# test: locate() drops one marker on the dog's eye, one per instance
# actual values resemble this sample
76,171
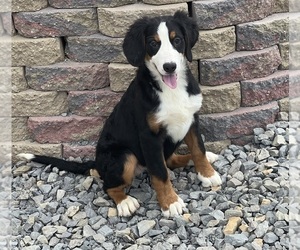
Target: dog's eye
154,44
177,41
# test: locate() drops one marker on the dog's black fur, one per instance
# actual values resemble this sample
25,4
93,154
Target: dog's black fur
129,130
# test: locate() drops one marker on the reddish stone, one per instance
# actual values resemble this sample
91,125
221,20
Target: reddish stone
93,103
57,129
68,76
211,14
239,123
239,66
263,90
56,22
87,151
264,33
95,48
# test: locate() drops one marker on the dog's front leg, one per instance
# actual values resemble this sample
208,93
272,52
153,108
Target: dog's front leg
171,204
202,159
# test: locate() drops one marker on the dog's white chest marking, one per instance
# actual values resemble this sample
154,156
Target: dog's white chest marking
176,111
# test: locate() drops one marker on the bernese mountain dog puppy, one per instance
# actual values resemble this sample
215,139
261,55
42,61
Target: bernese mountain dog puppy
155,115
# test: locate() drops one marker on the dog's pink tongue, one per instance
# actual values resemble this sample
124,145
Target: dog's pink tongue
170,80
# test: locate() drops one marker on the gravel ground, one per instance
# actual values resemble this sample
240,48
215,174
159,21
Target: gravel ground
54,209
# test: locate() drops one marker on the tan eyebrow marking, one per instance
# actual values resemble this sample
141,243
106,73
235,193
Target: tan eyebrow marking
156,38
172,34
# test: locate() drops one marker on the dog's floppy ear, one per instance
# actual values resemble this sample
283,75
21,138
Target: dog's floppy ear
190,30
134,46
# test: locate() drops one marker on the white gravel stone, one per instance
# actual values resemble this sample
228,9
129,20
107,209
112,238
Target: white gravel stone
145,226
72,210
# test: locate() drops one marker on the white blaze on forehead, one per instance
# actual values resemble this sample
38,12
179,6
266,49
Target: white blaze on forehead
166,50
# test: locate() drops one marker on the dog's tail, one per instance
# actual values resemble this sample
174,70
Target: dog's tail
70,166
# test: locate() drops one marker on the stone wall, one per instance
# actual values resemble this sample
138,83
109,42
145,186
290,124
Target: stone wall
69,69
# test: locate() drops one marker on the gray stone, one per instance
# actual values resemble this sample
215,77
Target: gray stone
168,223
145,226
258,131
75,243
79,216
173,240
239,176
248,165
182,233
52,177
270,237
261,229
235,166
271,185
45,188
52,206
101,202
99,238
155,232
195,195
233,213
218,215
48,231
236,240
205,219
105,231
88,231
234,182
279,140
95,48
262,154
60,193
87,182
195,218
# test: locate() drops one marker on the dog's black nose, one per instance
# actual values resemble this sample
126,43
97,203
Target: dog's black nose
169,67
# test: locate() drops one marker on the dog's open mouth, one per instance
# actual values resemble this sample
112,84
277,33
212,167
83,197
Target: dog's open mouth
170,80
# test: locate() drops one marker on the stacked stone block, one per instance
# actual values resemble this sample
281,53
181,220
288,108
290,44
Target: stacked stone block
69,70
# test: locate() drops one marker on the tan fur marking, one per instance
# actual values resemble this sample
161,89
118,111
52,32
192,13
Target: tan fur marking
178,161
147,57
165,192
156,38
129,168
202,165
117,193
153,124
172,34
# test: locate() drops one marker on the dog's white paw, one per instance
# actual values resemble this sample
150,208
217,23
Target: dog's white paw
211,157
28,157
175,208
127,206
213,181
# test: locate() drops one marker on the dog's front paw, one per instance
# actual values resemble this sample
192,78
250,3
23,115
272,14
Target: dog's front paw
212,181
127,206
175,208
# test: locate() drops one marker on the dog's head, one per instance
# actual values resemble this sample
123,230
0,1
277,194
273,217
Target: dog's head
162,43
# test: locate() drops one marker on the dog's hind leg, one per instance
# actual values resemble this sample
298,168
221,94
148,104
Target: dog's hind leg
178,161
126,205
206,173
